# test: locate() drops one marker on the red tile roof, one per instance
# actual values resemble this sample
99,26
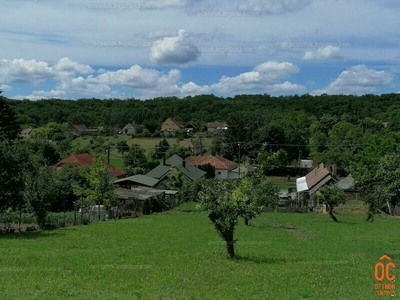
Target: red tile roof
86,159
218,162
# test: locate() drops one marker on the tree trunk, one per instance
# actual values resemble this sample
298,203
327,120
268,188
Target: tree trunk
246,222
230,248
332,215
230,244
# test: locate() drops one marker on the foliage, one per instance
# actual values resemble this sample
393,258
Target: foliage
332,196
9,125
100,189
135,160
189,191
40,191
122,147
176,180
209,169
257,192
11,176
269,161
180,151
228,200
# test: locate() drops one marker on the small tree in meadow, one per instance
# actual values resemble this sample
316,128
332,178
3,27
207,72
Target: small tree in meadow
332,196
224,209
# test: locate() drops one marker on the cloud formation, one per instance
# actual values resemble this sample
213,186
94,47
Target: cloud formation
323,53
357,80
178,50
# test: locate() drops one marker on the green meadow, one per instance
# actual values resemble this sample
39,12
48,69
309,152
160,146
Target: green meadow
179,255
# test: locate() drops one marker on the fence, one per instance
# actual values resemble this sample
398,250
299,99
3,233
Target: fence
14,221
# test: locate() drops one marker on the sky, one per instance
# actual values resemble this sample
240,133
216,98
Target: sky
71,49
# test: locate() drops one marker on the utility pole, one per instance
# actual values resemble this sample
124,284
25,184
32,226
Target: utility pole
201,146
239,159
108,154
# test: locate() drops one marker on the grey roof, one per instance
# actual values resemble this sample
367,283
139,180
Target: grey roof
176,163
141,179
140,194
346,183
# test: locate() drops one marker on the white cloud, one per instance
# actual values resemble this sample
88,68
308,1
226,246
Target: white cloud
192,89
357,80
21,70
32,71
5,87
264,77
274,6
328,52
67,67
178,50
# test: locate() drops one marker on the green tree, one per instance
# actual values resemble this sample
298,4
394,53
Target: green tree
11,176
332,196
122,147
9,126
100,190
257,192
40,191
135,160
225,204
209,169
269,161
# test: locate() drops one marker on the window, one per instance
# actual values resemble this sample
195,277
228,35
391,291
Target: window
219,173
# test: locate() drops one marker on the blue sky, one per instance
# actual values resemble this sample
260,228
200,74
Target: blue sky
72,49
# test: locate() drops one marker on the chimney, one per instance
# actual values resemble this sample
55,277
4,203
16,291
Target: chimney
163,159
184,163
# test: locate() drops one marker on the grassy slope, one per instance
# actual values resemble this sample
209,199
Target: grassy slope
180,256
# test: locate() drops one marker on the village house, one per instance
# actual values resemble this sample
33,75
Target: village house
86,159
80,130
216,127
224,168
130,128
170,127
308,185
196,147
26,132
173,165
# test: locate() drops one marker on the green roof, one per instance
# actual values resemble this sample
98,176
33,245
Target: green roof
141,179
176,163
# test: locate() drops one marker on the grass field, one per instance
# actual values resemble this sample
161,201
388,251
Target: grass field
146,143
178,255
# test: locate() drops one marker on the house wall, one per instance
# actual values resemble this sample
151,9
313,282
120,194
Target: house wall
169,125
225,174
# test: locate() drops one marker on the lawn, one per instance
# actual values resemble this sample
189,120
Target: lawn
145,143
178,255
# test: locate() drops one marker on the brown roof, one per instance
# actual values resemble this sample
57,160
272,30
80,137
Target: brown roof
316,175
190,144
86,159
216,124
80,128
177,123
218,162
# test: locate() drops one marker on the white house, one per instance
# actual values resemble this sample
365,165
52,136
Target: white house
224,168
